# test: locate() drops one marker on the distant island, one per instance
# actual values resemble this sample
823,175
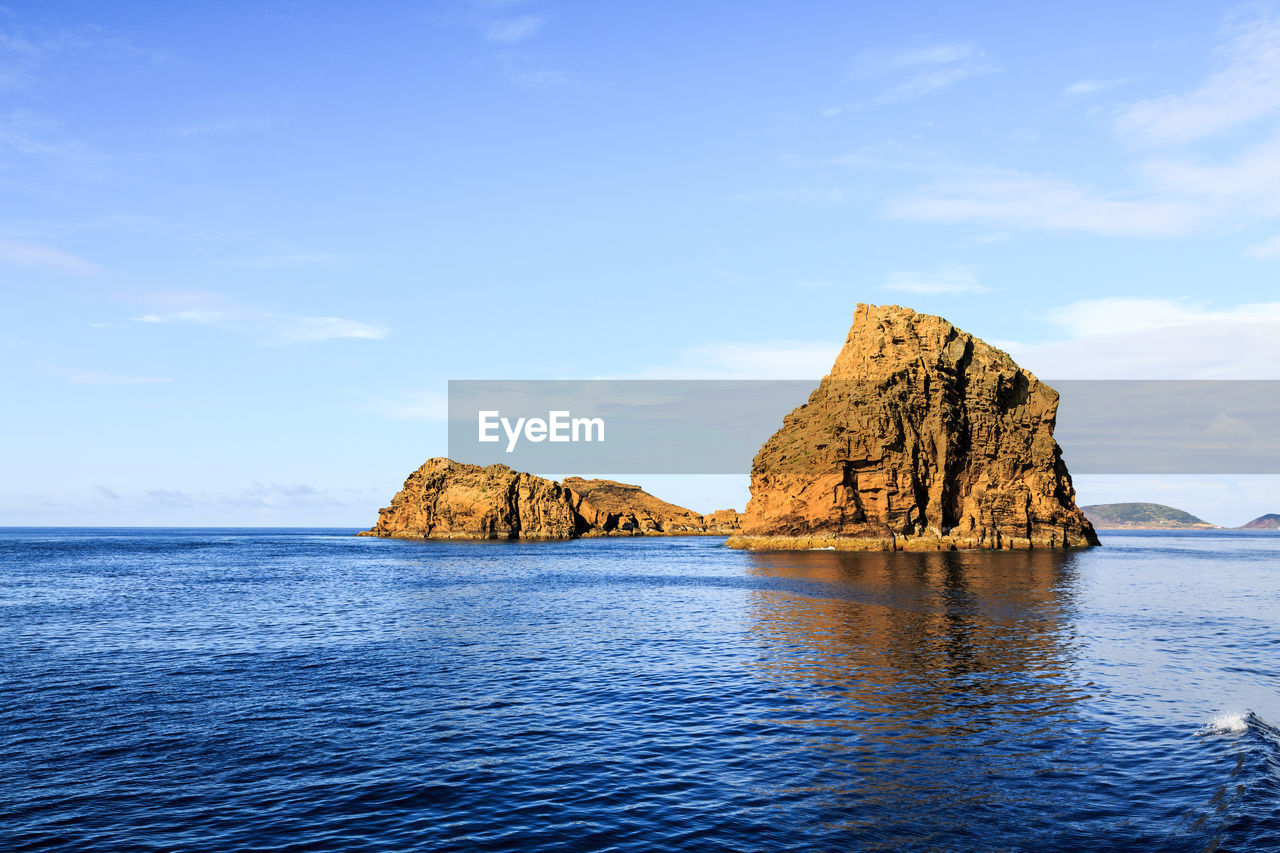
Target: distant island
1144,516
444,499
1270,521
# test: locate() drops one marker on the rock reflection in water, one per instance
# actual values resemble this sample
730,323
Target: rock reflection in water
928,684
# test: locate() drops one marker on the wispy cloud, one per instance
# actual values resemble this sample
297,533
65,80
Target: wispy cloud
817,195
270,328
1119,316
1157,339
1166,193
1249,181
530,74
15,253
217,127
913,72
98,377
1011,199
1244,87
1266,249
1082,88
775,359
417,406
512,30
282,261
27,132
495,22
948,279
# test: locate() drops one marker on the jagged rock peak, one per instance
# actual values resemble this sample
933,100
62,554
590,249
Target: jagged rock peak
921,436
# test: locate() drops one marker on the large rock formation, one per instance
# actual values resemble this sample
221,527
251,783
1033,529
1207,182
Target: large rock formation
1270,521
921,437
451,500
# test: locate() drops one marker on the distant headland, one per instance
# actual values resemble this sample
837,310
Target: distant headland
1143,516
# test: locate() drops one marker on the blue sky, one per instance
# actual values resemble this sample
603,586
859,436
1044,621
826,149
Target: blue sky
244,246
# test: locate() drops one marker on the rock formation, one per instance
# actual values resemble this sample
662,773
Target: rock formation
444,499
723,521
1270,521
608,508
922,437
451,500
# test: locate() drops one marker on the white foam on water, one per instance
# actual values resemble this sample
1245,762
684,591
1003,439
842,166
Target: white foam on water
1230,723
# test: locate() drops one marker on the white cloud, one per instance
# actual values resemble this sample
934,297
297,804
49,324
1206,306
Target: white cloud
282,261
309,329
1026,201
35,255
775,359
1157,339
1244,87
795,194
269,327
944,280
1172,194
421,406
1251,178
1081,88
217,127
1224,426
530,75
1125,316
1266,249
918,70
512,30
97,377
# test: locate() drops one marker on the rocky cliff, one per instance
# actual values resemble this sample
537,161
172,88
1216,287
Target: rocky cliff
921,437
444,499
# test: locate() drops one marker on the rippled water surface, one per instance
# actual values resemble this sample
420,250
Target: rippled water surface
288,690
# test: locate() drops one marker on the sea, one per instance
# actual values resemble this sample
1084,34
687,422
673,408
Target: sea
236,689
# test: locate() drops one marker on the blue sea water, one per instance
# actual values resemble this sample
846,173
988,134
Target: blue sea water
308,690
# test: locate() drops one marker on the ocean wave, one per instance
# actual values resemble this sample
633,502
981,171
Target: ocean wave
1230,723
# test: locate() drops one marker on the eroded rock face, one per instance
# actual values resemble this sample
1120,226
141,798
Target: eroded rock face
609,508
724,521
444,499
921,437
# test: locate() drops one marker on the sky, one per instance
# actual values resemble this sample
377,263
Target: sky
243,247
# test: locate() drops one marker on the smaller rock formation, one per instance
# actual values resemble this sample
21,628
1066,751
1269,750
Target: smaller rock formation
608,508
723,521
1270,521
444,499
1143,516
